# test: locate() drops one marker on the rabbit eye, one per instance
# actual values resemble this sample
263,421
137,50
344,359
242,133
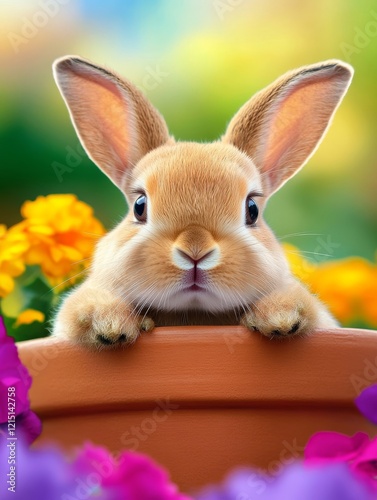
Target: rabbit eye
251,211
140,208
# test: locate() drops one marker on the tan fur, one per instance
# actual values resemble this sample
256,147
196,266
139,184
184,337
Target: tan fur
129,125
196,195
289,106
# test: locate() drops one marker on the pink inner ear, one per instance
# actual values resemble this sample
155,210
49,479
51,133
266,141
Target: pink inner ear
100,113
294,127
116,123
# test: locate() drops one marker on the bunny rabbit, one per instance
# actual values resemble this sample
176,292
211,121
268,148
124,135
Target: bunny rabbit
194,248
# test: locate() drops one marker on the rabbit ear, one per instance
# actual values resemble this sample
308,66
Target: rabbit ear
281,126
115,122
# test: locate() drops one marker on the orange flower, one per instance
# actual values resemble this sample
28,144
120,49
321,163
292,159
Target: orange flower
62,232
342,285
29,316
12,249
348,287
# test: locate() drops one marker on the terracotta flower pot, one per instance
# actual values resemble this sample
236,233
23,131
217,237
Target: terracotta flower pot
202,400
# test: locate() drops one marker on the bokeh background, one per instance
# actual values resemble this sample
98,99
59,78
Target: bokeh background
198,61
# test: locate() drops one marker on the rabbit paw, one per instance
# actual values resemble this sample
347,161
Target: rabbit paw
99,319
283,313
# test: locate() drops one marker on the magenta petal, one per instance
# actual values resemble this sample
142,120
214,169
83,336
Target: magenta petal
29,426
366,462
335,447
21,399
140,477
12,374
367,403
131,476
15,383
93,458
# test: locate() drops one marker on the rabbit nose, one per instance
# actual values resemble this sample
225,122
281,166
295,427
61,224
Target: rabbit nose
185,260
195,247
192,259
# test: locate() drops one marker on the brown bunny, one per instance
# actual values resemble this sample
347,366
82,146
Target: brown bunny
194,248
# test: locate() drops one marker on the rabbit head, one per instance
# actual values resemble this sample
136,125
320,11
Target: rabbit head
194,236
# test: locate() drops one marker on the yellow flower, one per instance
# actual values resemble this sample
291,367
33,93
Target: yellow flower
62,232
369,304
29,316
12,249
300,267
342,285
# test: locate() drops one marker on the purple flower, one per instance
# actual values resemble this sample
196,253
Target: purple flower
297,482
46,474
15,383
367,403
358,451
41,474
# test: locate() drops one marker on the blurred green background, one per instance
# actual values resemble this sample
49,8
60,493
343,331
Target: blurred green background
198,61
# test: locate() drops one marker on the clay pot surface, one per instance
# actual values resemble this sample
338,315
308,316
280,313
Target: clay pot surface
202,400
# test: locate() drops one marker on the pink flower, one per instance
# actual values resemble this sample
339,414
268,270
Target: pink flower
358,451
327,446
132,476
